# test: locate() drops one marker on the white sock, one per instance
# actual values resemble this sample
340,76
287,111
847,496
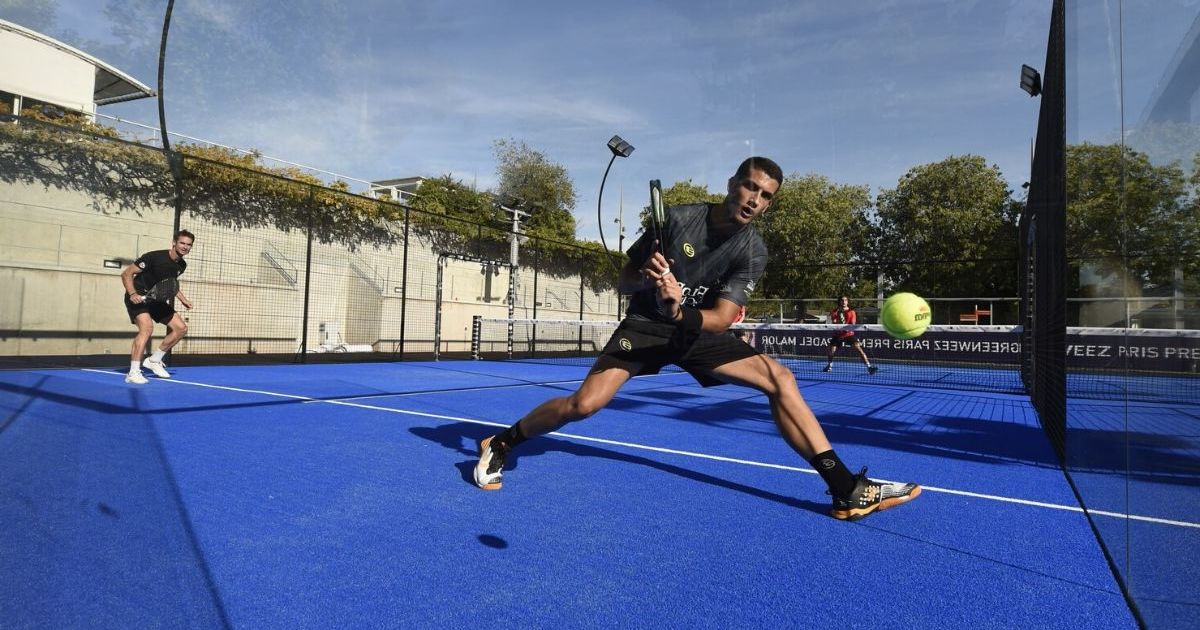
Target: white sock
158,355
135,367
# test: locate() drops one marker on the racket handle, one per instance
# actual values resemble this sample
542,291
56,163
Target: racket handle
658,217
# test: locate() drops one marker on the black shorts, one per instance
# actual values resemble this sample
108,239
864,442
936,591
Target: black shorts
652,345
843,341
161,312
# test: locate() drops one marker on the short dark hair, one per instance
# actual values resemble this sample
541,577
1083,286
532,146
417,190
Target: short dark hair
184,233
766,165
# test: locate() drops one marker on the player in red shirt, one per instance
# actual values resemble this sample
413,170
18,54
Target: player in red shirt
844,314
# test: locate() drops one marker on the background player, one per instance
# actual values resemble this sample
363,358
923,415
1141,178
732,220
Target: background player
147,272
844,314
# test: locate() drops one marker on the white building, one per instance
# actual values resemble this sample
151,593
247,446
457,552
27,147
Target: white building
37,70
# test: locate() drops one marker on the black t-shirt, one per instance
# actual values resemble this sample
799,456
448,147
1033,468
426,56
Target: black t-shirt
154,267
709,266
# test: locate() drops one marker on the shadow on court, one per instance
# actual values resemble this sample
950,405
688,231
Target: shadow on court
462,439
96,525
1160,457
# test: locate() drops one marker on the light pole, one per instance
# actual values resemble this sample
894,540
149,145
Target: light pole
619,148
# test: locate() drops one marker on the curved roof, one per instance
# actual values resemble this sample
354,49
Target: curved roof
112,85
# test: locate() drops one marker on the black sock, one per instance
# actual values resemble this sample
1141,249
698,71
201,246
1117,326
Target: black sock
834,472
510,437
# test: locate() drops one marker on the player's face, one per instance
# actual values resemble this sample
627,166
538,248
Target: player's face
183,246
750,196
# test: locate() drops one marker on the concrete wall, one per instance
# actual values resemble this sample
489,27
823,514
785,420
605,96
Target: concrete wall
247,285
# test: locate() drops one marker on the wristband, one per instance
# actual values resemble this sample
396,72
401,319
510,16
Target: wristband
691,320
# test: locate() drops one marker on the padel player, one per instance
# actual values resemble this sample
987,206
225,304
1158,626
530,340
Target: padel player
683,301
146,303
844,314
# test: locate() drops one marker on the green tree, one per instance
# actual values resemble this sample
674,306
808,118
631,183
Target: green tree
815,230
686,192
451,197
542,187
949,229
455,217
1124,212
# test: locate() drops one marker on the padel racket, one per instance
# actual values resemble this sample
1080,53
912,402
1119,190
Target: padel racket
162,291
658,217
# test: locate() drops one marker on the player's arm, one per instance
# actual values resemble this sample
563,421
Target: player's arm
127,275
714,320
720,317
734,293
183,300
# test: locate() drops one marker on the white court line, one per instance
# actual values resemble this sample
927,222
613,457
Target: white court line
658,449
486,388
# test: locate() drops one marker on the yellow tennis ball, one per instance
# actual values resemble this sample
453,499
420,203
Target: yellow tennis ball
905,315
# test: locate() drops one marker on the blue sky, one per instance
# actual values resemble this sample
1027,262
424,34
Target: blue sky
857,91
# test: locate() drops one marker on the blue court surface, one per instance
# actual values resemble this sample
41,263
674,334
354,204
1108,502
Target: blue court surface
340,496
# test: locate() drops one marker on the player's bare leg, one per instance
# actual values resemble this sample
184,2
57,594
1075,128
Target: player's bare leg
176,330
145,328
867,362
833,347
795,420
854,496
597,390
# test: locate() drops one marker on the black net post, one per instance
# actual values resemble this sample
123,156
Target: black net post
1047,207
303,358
404,284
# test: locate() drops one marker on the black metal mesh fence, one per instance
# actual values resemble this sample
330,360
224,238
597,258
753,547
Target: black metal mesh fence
282,269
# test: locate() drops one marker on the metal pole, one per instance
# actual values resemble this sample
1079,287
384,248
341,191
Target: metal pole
307,282
437,310
404,286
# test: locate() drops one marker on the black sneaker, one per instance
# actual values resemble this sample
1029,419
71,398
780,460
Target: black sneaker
491,463
828,368
870,496
871,369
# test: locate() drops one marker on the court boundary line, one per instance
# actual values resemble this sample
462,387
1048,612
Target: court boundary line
669,451
478,389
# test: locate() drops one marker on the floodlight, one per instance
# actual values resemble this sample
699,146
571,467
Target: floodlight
1031,81
619,147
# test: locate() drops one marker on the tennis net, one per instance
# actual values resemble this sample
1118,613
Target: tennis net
1110,363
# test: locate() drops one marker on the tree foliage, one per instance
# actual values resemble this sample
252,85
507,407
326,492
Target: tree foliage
949,229
1124,211
541,187
816,231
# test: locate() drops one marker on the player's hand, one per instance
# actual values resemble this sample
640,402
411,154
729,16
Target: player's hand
669,295
186,303
656,267
137,298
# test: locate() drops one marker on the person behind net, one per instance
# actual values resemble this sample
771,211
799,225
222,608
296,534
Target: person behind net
683,299
741,334
844,314
150,282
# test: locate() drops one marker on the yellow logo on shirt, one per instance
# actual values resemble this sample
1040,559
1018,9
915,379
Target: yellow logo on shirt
688,250
626,345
